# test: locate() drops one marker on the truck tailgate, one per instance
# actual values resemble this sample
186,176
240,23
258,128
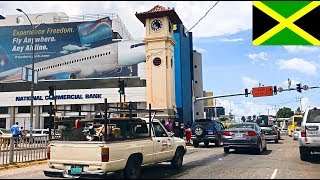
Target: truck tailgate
76,153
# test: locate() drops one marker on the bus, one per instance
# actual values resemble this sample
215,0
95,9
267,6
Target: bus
294,122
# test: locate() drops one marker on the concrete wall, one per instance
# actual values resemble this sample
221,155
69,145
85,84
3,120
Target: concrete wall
198,84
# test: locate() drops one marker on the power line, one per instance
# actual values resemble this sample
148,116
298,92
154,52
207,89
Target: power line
186,31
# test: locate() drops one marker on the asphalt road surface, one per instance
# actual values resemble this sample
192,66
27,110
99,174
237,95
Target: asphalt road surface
280,161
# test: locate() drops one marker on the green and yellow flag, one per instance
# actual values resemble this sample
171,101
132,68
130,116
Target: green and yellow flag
286,23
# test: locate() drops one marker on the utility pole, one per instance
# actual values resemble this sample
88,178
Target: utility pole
215,109
275,106
300,106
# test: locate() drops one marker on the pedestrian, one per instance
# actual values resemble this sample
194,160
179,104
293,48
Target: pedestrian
15,130
169,126
181,131
163,122
188,133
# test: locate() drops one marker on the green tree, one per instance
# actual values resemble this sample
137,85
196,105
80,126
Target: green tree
285,113
249,118
254,117
243,119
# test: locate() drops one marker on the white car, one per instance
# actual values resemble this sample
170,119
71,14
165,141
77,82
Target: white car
284,131
295,134
309,136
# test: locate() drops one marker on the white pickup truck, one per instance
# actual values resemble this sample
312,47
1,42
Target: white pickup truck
129,145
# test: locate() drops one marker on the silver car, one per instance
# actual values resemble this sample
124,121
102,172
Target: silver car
244,135
295,133
271,133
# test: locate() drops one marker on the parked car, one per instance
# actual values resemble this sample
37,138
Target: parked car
309,136
295,133
270,132
244,135
5,133
207,130
279,132
284,131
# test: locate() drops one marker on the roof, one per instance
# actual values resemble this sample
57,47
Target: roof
159,11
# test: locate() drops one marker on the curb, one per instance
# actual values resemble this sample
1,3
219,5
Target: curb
20,165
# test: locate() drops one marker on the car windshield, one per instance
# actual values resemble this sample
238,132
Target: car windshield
313,116
5,131
241,126
266,128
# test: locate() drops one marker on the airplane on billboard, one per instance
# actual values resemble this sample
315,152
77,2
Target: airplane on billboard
85,63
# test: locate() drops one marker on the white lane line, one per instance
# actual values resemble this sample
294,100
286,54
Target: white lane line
274,174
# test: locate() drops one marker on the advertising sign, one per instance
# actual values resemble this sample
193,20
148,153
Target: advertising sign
52,42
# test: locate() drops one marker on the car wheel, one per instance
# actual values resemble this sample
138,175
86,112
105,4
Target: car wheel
133,168
177,160
206,143
304,153
218,142
195,144
259,149
226,150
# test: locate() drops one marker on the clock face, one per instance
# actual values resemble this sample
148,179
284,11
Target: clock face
156,25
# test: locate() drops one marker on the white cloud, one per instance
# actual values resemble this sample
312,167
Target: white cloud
249,83
216,23
245,108
232,40
71,47
306,103
258,56
200,50
297,49
298,64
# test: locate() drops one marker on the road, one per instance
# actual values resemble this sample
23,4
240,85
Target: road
280,161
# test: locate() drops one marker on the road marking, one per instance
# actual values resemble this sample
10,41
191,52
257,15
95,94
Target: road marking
274,174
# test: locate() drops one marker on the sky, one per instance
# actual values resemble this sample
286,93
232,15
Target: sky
224,37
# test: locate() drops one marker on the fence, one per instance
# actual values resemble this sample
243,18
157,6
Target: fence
23,149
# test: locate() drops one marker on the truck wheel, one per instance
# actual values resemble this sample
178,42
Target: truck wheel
226,150
304,153
206,143
195,144
133,168
177,160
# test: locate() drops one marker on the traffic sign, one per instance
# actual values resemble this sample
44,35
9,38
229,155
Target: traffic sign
280,89
305,87
262,91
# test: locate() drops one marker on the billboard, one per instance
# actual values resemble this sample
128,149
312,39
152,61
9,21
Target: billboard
52,44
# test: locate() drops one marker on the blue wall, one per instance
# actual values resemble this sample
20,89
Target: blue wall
183,73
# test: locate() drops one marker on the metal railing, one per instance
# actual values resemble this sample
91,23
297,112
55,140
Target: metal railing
23,149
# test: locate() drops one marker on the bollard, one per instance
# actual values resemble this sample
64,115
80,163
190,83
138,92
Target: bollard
11,153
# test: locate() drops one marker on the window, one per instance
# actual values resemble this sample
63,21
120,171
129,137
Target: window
46,122
24,109
196,82
45,108
3,110
99,107
195,66
75,107
2,122
171,62
197,113
158,130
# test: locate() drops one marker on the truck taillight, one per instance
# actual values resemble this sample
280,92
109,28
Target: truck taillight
105,154
251,133
227,133
48,152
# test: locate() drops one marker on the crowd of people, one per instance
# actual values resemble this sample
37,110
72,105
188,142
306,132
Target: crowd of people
184,130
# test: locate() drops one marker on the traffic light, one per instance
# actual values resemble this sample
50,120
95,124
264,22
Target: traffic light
51,92
246,92
121,87
275,90
299,87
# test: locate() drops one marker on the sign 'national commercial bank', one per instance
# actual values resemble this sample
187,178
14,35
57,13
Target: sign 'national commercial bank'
60,97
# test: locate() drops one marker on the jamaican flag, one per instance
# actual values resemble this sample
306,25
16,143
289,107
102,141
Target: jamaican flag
286,23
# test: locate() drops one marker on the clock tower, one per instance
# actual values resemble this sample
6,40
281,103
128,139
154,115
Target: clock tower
159,23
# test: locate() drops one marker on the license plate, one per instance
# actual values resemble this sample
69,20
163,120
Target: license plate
76,169
313,132
210,132
238,135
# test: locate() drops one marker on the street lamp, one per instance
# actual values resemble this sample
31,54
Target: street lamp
32,69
